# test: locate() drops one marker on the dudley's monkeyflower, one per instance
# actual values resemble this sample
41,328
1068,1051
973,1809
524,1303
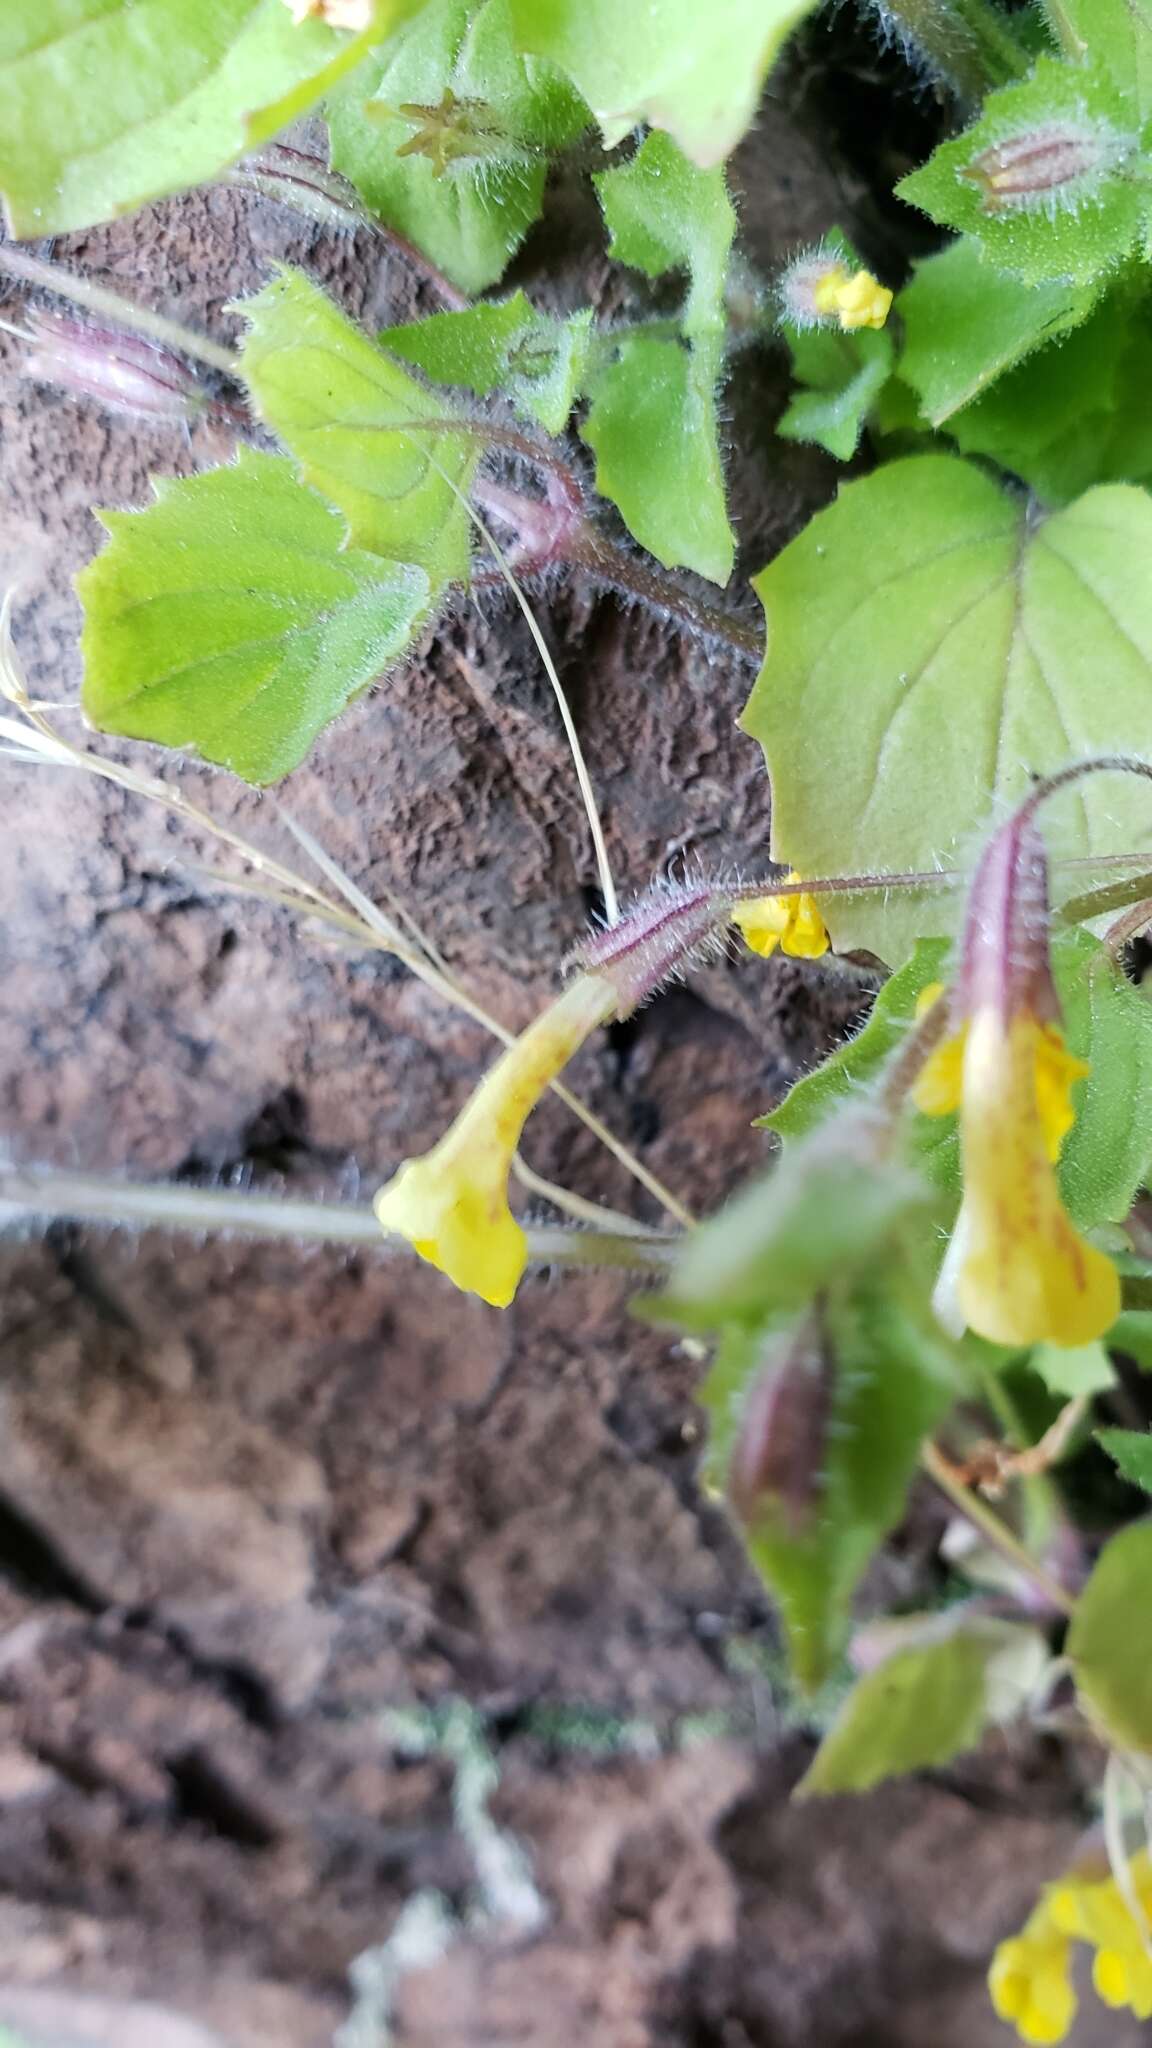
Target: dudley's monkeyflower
1031,1980
793,923
1030,1975
819,290
1017,1270
855,299
452,1204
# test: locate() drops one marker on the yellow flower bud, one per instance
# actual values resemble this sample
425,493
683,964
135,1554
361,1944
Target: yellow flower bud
1017,1270
859,300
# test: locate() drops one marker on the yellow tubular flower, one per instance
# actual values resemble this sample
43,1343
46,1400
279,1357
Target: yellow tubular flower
1030,1981
856,301
1017,1270
1029,1978
452,1204
793,923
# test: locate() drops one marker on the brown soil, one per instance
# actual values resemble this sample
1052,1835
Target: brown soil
255,1500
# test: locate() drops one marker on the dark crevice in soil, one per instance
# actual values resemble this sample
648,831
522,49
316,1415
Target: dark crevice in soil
32,1561
208,1796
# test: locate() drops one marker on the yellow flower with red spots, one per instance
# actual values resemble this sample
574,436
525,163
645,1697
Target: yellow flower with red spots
1017,1269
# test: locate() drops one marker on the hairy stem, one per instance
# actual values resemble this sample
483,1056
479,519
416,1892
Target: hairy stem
633,576
101,299
44,1191
967,42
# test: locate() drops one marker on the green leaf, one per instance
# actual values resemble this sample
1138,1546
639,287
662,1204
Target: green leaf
1132,1451
826,1209
931,646
537,360
921,1707
966,324
845,374
1073,1373
342,408
1131,1333
893,1378
1108,1151
664,214
1075,414
652,427
1110,1640
229,617
105,104
839,1078
470,208
1070,236
695,71
1117,35
652,422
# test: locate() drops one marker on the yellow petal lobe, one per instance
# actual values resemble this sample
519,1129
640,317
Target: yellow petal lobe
1030,1981
793,923
452,1204
856,301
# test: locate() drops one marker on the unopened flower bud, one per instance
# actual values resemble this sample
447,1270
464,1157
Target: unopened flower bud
304,182
780,1453
1049,166
120,370
672,926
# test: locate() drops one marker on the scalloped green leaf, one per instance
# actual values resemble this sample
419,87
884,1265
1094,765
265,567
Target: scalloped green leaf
352,417
920,1707
662,214
1071,234
1131,1333
652,423
229,617
1109,1643
1072,1371
1131,1451
932,645
1075,414
470,211
535,359
695,71
966,324
1117,35
652,427
1108,1152
845,374
106,104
